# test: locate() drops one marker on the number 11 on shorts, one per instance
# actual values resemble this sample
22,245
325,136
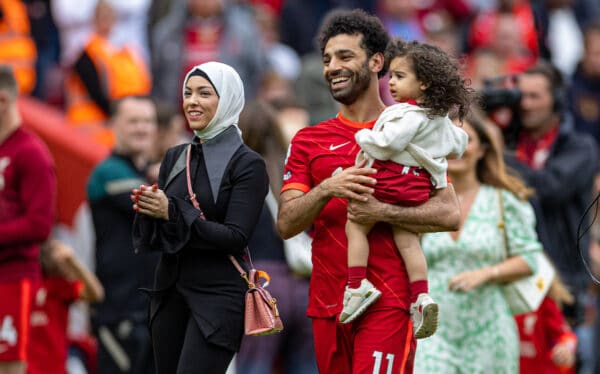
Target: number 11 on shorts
378,358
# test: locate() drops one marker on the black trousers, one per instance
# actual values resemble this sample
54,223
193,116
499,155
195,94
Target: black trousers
179,346
124,347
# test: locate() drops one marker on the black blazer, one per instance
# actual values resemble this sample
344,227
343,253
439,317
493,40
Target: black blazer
194,251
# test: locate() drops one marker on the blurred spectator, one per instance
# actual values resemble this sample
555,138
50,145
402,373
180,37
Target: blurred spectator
483,65
548,344
312,90
291,350
120,321
158,10
558,25
103,73
274,87
202,31
559,164
172,131
45,36
300,20
75,22
508,31
282,58
443,32
584,90
65,281
563,35
477,332
27,212
400,19
18,49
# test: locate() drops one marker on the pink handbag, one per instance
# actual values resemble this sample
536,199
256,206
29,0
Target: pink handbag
261,316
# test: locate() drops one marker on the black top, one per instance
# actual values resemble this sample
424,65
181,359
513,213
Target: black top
194,258
119,270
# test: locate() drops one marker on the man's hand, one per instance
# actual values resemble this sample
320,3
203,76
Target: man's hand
351,183
364,212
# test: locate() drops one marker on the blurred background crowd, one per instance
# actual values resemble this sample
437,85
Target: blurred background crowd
74,59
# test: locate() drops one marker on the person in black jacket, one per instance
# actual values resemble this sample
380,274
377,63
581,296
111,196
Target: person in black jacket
559,164
197,305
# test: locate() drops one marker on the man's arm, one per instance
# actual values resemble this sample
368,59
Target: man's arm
440,213
298,210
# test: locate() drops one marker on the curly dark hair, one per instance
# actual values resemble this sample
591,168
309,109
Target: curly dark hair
446,89
355,22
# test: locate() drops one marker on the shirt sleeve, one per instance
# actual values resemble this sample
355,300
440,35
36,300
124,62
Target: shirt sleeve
390,137
556,328
296,172
519,223
63,289
38,196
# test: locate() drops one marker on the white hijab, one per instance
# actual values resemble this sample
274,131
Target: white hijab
230,89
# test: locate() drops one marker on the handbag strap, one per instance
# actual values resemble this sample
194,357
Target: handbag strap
502,223
196,205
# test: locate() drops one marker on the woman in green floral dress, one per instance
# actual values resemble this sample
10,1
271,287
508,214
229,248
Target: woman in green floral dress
477,332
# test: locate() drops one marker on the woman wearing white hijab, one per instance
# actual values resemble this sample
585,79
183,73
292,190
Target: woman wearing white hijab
197,305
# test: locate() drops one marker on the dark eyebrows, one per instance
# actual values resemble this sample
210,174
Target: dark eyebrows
339,52
198,88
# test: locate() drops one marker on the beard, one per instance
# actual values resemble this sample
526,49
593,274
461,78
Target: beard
359,82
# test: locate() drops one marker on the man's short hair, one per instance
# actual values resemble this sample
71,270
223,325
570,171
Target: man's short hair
355,22
555,82
115,105
8,81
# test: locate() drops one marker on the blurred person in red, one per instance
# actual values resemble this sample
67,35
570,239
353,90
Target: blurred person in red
548,344
18,48
509,33
199,31
27,212
103,73
483,32
65,281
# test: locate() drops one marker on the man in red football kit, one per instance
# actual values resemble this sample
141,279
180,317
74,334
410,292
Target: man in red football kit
322,187
27,206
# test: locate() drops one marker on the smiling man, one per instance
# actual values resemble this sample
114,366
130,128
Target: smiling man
119,321
322,187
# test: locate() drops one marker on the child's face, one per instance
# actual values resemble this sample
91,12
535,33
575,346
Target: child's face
403,82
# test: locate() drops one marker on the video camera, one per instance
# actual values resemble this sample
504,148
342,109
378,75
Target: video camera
500,99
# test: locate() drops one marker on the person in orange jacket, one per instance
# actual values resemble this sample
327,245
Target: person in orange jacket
102,74
18,49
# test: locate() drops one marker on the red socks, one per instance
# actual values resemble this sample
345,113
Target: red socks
416,288
355,275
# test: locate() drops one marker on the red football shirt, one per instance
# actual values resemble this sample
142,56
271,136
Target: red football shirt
47,349
314,154
539,332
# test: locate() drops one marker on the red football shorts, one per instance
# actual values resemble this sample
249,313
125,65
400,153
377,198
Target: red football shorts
380,341
15,309
401,185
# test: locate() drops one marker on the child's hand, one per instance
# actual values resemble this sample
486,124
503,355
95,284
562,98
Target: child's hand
563,354
61,253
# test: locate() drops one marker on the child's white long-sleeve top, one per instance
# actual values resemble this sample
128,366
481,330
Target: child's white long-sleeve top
405,134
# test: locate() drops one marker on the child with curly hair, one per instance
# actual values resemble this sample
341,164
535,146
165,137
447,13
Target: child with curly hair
408,145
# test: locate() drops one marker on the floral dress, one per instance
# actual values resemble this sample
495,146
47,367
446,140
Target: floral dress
477,332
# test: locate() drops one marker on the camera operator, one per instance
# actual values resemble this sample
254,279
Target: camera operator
559,164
